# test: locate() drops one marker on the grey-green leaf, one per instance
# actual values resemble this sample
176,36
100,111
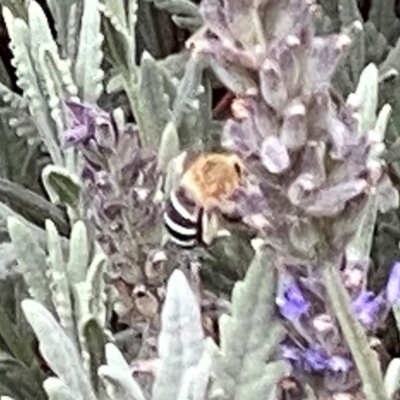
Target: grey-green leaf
78,261
251,333
61,292
181,340
88,72
56,389
58,350
62,186
169,146
117,376
392,377
31,259
365,358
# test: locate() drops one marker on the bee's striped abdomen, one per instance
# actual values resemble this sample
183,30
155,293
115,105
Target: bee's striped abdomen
182,219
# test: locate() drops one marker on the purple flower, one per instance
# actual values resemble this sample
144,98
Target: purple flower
315,359
83,122
366,307
338,364
291,302
290,353
393,284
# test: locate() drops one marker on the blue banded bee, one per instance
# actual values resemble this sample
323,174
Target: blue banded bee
205,187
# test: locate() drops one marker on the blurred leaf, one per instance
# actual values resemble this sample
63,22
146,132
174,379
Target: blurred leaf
56,389
350,67
29,82
78,260
169,146
365,97
392,377
252,332
359,247
31,259
376,45
62,186
95,342
119,44
88,73
185,13
365,358
95,284
156,33
392,60
19,381
234,78
181,340
61,12
16,119
4,77
34,204
174,64
180,7
385,248
149,97
8,261
383,16
17,8
195,383
58,350
60,288
17,344
118,378
6,212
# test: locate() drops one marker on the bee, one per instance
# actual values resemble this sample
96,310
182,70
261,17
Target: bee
206,187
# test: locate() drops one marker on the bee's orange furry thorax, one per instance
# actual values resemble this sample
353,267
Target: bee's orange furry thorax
212,177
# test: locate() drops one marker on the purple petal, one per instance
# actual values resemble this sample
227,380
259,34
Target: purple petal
326,53
86,115
315,359
332,200
274,155
393,284
75,135
273,87
366,307
294,127
292,304
290,353
338,364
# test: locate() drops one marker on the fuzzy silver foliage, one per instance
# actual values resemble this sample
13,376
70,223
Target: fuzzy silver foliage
58,350
249,336
181,342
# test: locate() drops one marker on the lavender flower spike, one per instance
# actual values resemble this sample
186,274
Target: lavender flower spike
393,284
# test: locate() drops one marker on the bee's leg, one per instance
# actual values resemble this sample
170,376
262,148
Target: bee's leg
211,228
234,218
230,211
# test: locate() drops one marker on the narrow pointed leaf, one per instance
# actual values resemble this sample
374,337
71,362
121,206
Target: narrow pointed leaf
365,358
180,343
62,186
31,259
58,350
